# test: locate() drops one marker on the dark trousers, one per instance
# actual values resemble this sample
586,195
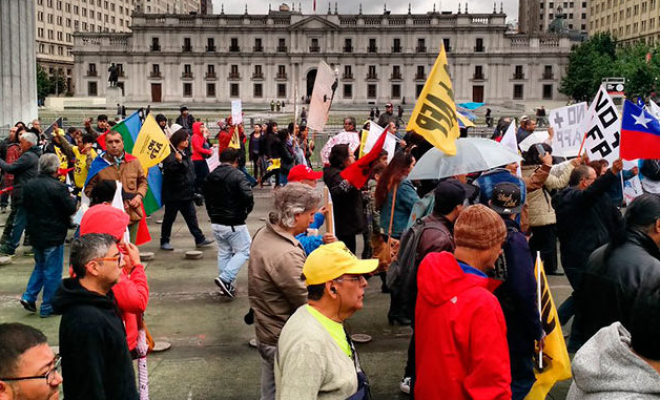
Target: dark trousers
568,309
270,173
544,240
201,171
522,376
349,241
187,209
410,363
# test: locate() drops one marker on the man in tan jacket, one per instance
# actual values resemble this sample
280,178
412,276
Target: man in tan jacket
275,285
127,169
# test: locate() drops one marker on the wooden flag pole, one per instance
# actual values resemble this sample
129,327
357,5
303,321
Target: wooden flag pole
330,220
539,287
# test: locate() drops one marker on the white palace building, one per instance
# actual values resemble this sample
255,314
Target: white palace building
274,56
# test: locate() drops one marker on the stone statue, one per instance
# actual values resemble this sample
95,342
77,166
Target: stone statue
113,75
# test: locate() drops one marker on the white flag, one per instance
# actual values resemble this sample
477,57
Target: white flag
319,106
654,109
602,127
510,141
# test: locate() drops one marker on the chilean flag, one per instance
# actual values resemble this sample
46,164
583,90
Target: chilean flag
640,133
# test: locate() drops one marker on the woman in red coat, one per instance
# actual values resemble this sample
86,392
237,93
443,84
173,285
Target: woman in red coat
461,349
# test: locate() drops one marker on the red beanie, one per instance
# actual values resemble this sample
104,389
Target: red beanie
103,218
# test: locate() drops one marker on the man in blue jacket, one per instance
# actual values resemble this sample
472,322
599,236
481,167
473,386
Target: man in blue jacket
517,295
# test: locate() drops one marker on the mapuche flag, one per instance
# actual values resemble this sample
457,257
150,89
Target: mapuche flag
640,133
434,116
358,172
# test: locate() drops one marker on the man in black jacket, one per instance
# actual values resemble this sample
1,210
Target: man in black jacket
49,207
96,363
621,272
185,119
586,220
24,169
229,200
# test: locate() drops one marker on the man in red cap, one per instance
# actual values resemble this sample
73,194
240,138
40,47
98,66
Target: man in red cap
310,241
132,291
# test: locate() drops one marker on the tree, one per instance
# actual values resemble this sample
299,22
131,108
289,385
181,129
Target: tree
641,75
43,83
588,63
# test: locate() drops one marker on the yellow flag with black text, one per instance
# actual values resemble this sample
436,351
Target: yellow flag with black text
434,115
151,146
554,364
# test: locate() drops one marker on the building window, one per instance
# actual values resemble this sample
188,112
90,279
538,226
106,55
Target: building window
518,72
155,43
234,90
371,91
396,46
479,45
187,90
396,91
547,92
281,90
348,91
518,92
258,91
396,72
421,45
234,45
258,46
447,44
210,44
187,45
210,90
418,90
372,72
348,45
348,72
372,46
281,46
478,72
314,47
420,72
92,89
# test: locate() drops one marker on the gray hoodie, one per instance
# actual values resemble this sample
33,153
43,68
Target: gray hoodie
605,368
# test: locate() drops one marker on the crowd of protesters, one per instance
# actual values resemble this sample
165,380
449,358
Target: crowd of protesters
460,253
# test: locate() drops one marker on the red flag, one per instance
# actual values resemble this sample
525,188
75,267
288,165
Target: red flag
143,236
314,5
101,140
64,171
358,172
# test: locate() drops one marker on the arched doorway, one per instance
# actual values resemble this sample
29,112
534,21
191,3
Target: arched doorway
311,78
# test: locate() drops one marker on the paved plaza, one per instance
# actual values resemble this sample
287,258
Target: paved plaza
210,357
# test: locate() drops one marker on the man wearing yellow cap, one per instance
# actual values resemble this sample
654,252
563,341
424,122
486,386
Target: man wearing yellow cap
315,357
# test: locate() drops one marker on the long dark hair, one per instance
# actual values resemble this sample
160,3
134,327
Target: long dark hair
392,176
338,155
642,213
532,156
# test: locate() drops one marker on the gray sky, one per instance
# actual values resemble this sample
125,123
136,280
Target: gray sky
369,6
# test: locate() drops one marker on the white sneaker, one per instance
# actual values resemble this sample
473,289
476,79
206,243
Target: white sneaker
405,384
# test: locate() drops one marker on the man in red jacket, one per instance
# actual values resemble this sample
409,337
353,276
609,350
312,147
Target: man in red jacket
461,349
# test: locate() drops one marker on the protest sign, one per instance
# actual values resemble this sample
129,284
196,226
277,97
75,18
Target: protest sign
322,94
567,124
632,188
236,112
602,126
213,162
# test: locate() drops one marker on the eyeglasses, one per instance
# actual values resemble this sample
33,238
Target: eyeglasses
49,376
348,123
118,258
351,278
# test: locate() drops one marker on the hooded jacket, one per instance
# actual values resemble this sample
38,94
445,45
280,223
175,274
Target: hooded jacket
95,360
605,368
461,348
199,152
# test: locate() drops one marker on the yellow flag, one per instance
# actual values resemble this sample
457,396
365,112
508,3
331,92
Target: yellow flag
464,120
235,142
276,164
363,142
434,115
151,146
556,365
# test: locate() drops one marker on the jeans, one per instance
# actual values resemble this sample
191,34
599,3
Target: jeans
284,176
522,376
544,240
187,209
267,353
233,249
47,275
14,240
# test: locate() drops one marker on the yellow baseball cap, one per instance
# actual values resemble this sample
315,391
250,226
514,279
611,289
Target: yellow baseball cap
333,260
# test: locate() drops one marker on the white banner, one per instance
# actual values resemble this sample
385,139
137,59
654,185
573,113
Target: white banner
534,138
374,133
567,122
602,126
319,106
213,162
510,141
236,112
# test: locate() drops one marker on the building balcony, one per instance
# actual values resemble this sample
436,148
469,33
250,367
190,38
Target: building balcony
234,49
186,49
348,49
372,77
396,49
187,76
372,49
478,77
421,49
92,73
395,76
258,49
420,77
211,76
154,48
282,49
258,75
281,75
211,49
314,49
548,75
479,49
518,76
234,76
347,76
155,75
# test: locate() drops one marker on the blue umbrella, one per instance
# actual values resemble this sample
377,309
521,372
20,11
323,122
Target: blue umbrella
471,105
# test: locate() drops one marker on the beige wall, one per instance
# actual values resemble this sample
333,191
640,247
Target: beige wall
629,21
